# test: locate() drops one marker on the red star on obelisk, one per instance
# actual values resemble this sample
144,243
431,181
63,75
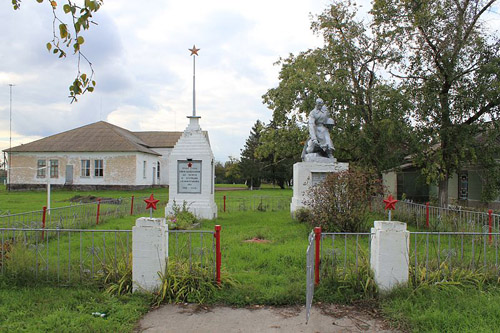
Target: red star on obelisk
151,204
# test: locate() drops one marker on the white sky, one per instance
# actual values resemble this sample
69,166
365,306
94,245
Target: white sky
144,70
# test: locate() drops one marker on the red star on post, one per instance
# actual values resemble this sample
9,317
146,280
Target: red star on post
190,165
151,202
194,50
390,203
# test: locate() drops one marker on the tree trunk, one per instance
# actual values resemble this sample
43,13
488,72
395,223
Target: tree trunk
443,192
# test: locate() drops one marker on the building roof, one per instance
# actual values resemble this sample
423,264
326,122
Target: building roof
159,139
101,137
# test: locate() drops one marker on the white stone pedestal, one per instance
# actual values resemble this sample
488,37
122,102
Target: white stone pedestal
149,253
308,174
389,257
192,172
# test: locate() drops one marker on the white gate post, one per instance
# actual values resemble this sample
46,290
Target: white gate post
149,252
389,257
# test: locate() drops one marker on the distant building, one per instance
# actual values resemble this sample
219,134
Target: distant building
465,188
99,155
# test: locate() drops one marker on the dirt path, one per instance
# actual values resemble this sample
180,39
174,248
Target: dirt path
194,318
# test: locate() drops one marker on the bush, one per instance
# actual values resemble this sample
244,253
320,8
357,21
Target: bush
342,201
303,215
181,218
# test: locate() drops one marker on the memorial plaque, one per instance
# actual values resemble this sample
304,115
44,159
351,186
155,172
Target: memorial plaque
189,176
318,177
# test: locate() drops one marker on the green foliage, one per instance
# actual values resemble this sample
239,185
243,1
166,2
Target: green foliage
81,19
116,277
371,122
181,218
346,285
187,282
251,166
341,202
449,70
304,215
229,172
280,146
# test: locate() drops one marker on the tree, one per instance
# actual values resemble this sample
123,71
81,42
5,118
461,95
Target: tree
233,172
68,37
280,146
251,166
372,128
449,66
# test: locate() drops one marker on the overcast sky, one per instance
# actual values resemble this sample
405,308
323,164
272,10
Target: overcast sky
144,70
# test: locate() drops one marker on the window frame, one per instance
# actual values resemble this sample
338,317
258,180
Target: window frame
99,166
54,168
85,168
41,168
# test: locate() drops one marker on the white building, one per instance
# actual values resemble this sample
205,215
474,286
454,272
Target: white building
99,155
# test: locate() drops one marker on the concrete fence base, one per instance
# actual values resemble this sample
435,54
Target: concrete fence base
389,258
149,253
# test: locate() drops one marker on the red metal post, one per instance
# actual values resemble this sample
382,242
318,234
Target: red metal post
132,206
427,215
224,204
317,238
98,210
43,221
490,218
217,252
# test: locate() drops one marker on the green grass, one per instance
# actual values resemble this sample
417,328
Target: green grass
444,309
44,309
26,201
270,273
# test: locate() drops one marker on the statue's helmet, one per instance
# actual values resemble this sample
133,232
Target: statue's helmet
319,101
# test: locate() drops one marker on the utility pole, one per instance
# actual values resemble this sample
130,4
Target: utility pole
10,138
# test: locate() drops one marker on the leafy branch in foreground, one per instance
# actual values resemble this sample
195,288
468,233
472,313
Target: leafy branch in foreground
67,36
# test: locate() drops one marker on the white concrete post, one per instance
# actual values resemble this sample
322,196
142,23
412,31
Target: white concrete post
149,253
389,257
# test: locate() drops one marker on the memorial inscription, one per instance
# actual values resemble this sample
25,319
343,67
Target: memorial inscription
318,177
189,176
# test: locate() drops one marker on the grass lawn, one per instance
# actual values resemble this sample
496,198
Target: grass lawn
46,309
444,308
271,272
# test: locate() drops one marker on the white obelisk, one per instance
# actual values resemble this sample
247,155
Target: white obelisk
191,167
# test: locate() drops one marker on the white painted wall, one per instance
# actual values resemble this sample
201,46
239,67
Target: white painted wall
164,165
151,162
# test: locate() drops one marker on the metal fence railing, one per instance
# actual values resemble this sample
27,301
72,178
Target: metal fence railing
344,253
253,203
447,251
82,215
70,256
442,219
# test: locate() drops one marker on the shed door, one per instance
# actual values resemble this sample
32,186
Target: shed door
69,174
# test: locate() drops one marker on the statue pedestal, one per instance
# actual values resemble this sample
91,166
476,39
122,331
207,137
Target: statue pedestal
191,174
308,174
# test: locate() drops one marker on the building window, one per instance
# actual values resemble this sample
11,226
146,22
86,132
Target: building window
158,171
143,169
98,168
85,168
41,168
54,169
